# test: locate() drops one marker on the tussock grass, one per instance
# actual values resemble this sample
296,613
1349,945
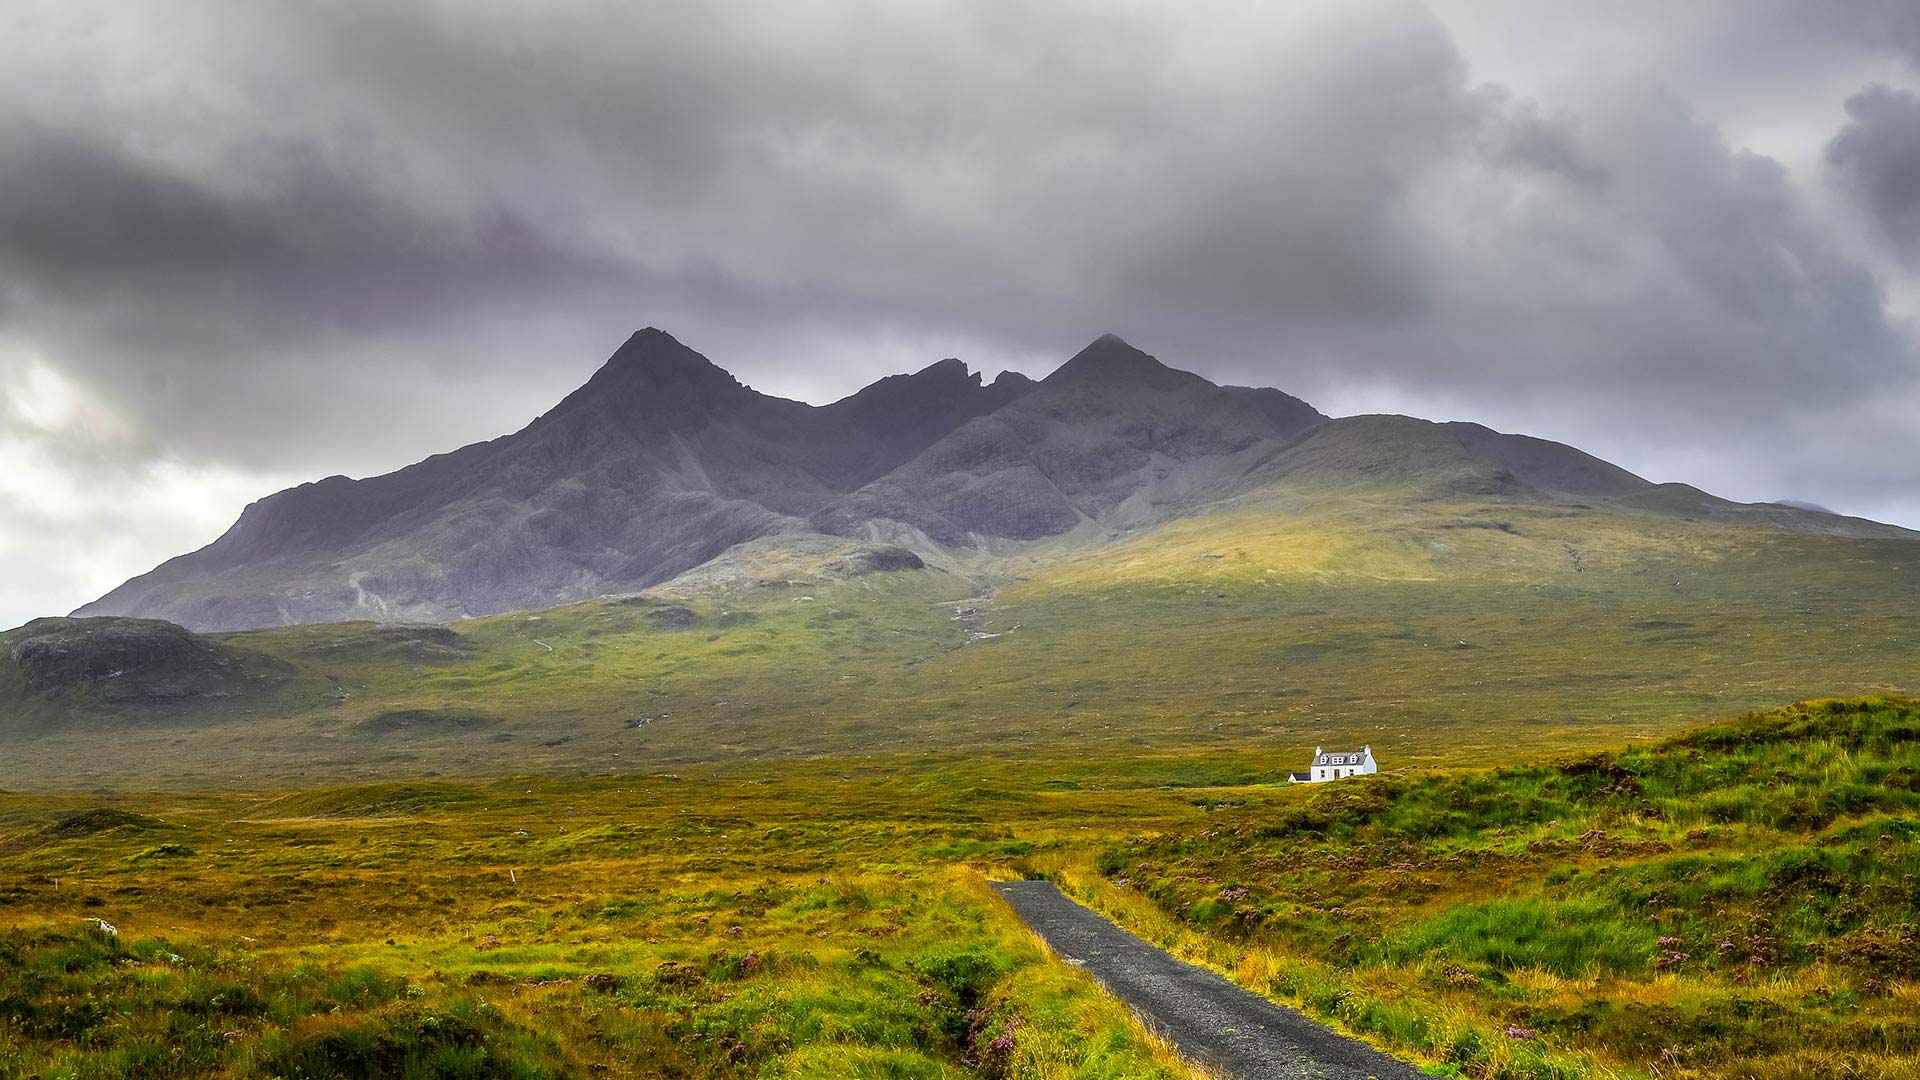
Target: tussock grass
704,926
1736,901
1739,901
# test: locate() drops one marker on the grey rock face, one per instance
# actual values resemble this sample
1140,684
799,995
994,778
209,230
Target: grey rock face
1111,438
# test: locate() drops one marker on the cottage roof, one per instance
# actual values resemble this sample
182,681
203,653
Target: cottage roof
1343,757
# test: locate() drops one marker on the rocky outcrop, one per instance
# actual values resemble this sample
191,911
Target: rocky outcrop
878,560
137,661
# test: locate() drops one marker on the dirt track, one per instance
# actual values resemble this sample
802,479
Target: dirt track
1226,1029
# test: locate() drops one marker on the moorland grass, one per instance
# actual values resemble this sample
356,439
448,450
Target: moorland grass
1739,901
793,922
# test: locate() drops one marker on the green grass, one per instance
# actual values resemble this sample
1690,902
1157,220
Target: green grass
714,925
1743,900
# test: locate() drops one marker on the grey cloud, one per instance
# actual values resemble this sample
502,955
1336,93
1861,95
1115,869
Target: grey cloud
1644,282
688,166
178,300
315,238
1876,156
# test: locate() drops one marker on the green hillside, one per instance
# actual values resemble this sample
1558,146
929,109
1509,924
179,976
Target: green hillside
1439,630
1737,901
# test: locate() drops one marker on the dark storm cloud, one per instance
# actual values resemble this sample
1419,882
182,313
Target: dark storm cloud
1877,157
779,191
174,297
287,240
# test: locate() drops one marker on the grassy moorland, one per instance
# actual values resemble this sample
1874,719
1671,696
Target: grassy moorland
749,816
803,921
1740,901
1439,632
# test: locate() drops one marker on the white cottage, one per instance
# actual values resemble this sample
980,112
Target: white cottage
1338,765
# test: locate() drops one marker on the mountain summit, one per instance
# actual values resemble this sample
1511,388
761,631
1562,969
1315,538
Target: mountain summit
663,462
1110,357
1112,439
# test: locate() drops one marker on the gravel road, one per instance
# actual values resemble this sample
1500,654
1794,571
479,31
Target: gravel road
1228,1030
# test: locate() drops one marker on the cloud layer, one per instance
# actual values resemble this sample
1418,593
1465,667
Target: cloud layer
262,243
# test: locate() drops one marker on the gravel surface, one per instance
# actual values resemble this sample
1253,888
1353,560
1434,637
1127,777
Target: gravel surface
1229,1030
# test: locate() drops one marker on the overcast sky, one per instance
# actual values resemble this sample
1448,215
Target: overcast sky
244,245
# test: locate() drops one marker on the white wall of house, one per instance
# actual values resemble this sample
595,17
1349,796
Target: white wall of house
1341,764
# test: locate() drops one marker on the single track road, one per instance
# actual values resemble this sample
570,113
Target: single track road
1222,1027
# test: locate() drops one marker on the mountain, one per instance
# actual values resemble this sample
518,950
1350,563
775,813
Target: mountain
658,464
663,463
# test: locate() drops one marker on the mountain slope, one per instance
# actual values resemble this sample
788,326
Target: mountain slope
663,462
1412,459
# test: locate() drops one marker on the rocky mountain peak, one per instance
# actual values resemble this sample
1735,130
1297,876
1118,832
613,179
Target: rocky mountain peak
661,357
952,369
1110,359
927,388
654,375
897,417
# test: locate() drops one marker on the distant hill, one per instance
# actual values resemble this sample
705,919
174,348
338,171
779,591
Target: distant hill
664,464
